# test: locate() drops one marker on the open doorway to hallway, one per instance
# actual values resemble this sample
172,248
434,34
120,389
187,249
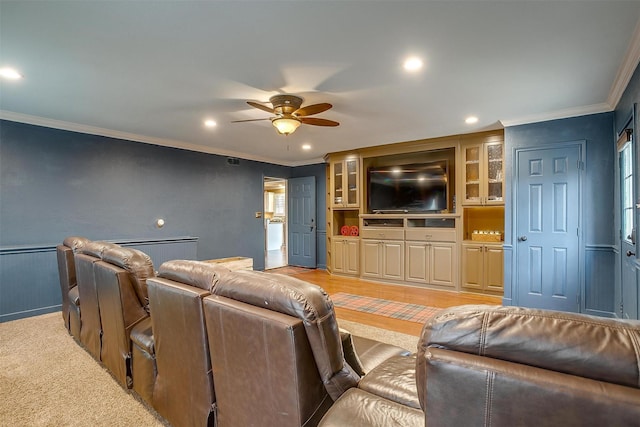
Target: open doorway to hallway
275,222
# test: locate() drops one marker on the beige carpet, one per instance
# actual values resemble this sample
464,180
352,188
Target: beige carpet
47,379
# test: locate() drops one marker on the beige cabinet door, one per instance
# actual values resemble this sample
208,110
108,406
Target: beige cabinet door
338,250
371,258
472,266
352,256
442,264
493,268
417,258
393,260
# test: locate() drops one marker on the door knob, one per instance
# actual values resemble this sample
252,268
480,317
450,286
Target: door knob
629,253
522,238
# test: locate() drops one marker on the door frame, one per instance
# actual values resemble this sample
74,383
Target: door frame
629,123
581,144
266,178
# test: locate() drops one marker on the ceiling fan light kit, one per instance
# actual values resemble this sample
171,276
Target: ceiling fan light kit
289,114
286,125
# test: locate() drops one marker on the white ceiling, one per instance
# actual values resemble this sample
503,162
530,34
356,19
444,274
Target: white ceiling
152,71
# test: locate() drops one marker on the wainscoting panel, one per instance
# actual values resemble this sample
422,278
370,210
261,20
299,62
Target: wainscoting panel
508,275
29,282
321,239
599,292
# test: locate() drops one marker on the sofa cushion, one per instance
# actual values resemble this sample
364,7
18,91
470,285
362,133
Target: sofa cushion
199,274
358,408
137,263
394,379
75,242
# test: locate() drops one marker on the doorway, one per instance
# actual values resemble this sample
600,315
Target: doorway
628,251
275,222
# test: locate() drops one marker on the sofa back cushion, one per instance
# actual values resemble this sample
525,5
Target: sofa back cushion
576,344
137,264
307,302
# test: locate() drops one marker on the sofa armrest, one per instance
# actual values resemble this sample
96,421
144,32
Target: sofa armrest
350,354
465,389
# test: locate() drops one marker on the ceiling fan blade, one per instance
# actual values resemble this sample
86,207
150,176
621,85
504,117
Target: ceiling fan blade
318,122
310,110
261,107
250,120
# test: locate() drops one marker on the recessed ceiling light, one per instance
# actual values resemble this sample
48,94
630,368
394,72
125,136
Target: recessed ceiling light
306,147
210,123
413,64
10,73
471,120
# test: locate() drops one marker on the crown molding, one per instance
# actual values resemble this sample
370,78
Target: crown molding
171,143
558,114
626,69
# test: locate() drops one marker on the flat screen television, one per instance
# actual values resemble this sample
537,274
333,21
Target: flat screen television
408,188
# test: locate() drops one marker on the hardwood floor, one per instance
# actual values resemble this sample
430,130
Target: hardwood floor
409,294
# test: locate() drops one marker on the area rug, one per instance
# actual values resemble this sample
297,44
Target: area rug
289,270
382,307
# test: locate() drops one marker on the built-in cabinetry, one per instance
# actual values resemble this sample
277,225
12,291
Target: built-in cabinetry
415,249
343,210
443,249
483,267
483,173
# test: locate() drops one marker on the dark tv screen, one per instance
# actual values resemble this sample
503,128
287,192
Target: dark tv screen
408,188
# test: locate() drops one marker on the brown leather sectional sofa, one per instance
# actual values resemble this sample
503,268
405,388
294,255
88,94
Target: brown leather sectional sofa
510,366
246,348
207,346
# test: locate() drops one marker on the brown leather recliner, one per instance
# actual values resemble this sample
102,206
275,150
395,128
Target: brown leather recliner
68,282
276,350
123,300
506,366
183,392
90,325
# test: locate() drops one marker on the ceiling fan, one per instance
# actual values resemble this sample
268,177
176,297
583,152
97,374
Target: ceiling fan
289,114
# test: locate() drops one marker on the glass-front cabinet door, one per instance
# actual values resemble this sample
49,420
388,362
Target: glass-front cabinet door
472,174
345,188
483,174
352,182
338,182
494,173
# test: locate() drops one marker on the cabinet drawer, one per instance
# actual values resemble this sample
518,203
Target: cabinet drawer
382,233
431,234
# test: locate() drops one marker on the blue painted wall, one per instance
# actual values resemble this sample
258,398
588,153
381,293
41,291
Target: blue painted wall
56,183
598,293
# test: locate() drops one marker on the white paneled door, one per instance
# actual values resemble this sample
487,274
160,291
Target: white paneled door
547,228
